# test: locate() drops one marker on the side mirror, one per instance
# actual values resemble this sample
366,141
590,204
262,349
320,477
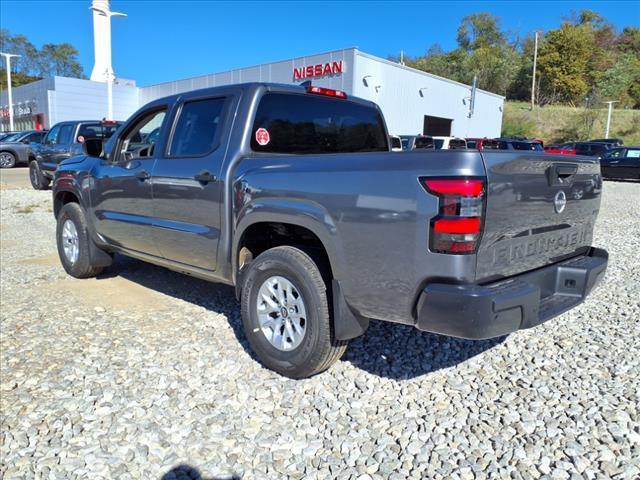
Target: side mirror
92,147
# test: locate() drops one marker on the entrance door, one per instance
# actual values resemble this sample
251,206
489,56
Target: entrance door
187,190
436,126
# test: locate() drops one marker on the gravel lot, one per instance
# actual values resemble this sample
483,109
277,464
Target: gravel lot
142,370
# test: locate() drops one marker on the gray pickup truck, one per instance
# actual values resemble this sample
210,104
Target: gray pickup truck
292,195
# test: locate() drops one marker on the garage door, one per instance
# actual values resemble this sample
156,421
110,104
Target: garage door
437,126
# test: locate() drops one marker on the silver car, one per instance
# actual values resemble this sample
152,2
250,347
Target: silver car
16,148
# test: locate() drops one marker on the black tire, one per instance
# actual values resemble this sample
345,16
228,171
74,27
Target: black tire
38,180
318,349
82,267
7,160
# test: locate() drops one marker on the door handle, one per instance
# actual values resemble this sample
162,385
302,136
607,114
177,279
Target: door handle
142,175
205,177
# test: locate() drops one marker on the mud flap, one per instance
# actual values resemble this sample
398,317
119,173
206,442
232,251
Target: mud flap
347,325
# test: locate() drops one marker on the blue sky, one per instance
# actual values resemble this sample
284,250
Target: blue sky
167,40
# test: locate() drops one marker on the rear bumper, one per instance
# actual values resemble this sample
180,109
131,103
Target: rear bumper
523,301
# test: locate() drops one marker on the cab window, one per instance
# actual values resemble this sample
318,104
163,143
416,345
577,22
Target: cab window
314,124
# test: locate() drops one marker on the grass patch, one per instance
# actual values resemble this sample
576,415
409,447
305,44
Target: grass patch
26,209
558,123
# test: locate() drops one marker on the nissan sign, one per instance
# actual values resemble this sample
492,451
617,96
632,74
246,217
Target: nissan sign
319,70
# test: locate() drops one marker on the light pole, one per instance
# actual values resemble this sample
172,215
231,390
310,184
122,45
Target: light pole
610,103
535,62
7,57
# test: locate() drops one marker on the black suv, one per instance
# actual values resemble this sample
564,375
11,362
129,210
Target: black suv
614,142
65,140
592,149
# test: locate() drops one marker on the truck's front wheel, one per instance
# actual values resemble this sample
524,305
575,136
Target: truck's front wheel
285,314
73,240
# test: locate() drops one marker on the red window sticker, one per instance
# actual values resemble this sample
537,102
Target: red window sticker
262,136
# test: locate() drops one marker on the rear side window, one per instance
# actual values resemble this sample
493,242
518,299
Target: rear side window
65,134
471,144
95,130
310,124
196,132
490,145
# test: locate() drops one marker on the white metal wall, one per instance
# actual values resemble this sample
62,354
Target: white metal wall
76,99
406,95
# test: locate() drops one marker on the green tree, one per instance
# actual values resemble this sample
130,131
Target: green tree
563,60
33,64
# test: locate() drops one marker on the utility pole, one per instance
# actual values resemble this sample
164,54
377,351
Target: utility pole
7,57
533,79
610,103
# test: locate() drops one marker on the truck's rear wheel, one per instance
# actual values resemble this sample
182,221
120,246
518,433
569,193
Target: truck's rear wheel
38,180
73,240
285,314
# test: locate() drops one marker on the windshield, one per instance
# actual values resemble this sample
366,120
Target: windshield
13,137
439,143
96,130
490,145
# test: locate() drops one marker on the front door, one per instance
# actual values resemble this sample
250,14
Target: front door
187,190
121,198
46,149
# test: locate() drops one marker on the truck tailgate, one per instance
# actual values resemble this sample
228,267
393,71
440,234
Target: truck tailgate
540,209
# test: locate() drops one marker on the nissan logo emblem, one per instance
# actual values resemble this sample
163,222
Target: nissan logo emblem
560,201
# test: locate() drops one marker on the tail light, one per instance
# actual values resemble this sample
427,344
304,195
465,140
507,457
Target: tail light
458,226
328,92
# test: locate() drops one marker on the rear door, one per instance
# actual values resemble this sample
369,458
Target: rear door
540,209
187,190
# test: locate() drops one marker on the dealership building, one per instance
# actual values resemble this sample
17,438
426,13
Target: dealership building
412,101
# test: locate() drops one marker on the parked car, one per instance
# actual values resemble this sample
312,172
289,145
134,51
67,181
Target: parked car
519,143
621,162
449,143
16,149
64,140
482,143
614,142
4,135
291,194
396,143
592,149
561,149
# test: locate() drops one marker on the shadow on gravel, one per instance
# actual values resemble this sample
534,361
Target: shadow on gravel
386,350
187,472
401,352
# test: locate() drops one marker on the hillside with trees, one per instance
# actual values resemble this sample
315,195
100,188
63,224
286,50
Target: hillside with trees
581,63
52,59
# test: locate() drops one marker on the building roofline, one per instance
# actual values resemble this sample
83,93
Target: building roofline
355,49
415,70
